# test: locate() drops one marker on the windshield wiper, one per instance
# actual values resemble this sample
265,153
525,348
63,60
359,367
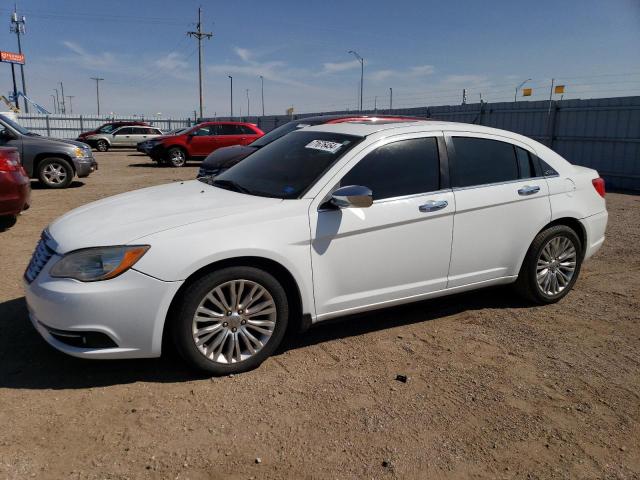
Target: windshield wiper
230,185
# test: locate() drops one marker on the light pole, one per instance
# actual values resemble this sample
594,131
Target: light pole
515,97
58,100
390,98
361,60
247,102
262,92
231,98
55,107
98,80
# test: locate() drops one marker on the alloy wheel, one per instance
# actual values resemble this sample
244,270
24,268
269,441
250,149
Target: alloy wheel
556,265
177,158
234,321
54,173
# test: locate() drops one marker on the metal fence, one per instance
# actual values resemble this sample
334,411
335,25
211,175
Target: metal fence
599,133
65,126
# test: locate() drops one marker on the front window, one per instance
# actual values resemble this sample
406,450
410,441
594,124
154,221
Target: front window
108,128
287,167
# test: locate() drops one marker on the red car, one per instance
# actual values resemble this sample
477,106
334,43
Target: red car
15,186
107,128
200,141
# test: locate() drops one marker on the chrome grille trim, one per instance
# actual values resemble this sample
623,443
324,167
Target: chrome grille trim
41,256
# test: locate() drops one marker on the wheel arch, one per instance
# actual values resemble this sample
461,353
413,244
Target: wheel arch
575,225
177,145
298,321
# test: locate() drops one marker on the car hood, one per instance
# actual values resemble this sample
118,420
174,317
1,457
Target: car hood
74,143
228,156
123,218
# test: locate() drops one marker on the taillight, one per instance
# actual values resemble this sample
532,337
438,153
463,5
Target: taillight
598,184
9,161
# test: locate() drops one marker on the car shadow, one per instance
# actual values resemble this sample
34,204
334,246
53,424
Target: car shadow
36,185
152,164
27,362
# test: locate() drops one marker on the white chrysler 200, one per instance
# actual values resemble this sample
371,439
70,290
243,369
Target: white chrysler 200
326,221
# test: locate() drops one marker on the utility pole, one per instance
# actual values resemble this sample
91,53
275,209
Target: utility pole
262,90
18,27
70,104
390,98
375,104
248,102
64,105
199,35
55,107
231,98
57,100
361,60
464,96
98,80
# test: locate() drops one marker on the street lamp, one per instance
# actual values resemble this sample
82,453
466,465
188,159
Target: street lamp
248,114
361,60
515,97
262,92
231,78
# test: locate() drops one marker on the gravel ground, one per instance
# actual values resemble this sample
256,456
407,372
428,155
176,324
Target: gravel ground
496,388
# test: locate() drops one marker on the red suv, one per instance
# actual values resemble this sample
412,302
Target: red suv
15,186
108,128
200,141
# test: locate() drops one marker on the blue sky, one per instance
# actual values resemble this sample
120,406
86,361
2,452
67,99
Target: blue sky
427,51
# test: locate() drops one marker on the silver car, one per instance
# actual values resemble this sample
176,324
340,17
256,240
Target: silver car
128,136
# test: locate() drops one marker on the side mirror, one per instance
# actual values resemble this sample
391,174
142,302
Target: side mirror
352,196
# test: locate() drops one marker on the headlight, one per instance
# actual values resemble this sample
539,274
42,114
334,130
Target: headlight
100,263
79,152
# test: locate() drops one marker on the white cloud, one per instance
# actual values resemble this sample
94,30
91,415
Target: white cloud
89,60
244,53
336,67
422,70
171,61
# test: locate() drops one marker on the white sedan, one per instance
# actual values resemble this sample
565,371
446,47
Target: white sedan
326,221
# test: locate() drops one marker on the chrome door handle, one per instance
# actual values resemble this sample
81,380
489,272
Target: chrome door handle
433,205
529,190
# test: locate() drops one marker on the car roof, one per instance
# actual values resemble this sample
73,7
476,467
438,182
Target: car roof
364,129
320,119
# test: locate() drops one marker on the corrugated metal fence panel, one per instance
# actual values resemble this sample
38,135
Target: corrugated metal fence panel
601,133
64,126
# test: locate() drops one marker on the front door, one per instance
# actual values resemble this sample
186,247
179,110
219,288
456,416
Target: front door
203,141
501,204
396,249
122,137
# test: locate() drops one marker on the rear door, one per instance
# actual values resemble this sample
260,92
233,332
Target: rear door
231,134
247,134
501,204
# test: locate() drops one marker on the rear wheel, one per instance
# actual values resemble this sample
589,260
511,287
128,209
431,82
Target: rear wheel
231,320
55,173
551,266
102,146
176,157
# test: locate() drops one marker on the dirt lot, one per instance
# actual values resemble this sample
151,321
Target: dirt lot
496,389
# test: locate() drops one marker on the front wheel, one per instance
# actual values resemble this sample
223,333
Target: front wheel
176,157
551,266
55,173
231,320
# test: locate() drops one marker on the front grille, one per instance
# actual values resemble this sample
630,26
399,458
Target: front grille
40,257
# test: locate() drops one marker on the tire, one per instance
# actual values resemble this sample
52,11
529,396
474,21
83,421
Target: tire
217,353
55,173
7,221
552,255
102,146
176,157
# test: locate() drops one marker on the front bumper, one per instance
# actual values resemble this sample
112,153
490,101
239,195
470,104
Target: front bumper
85,166
130,310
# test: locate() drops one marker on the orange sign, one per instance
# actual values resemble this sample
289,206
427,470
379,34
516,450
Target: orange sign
11,57
559,89
526,92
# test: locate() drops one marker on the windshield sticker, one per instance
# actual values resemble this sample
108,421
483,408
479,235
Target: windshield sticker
302,125
324,145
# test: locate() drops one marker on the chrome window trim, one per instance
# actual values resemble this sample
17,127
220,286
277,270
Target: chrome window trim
391,199
507,182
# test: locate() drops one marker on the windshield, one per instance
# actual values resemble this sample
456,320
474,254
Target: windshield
288,166
108,128
15,126
281,131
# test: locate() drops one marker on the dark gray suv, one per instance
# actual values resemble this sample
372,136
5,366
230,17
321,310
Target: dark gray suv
53,161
